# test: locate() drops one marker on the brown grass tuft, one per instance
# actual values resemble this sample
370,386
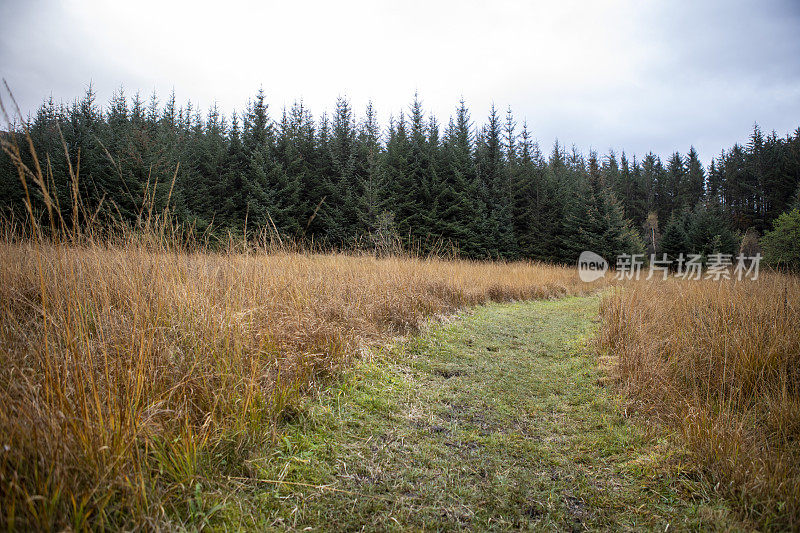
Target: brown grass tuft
135,363
128,373
720,361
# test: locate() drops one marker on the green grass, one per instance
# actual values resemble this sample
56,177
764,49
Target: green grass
494,420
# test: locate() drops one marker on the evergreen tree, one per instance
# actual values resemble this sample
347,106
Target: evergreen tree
371,187
204,162
402,196
674,240
693,185
415,212
494,181
652,177
487,190
231,189
271,194
461,211
296,151
594,220
341,216
671,187
534,197
317,188
708,232
782,244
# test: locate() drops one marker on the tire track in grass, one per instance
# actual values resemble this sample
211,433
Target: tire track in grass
495,420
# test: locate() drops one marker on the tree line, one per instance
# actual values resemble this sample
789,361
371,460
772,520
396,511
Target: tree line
342,180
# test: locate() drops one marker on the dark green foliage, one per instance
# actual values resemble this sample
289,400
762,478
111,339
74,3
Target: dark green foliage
674,239
370,186
535,202
402,195
669,185
782,244
271,195
594,219
339,214
414,200
756,182
693,184
708,232
703,230
230,190
460,210
630,188
341,180
494,182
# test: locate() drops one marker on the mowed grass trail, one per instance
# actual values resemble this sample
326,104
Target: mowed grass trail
497,419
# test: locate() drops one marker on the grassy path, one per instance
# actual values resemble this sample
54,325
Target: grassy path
496,420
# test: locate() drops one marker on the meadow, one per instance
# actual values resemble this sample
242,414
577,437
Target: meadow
138,365
129,371
719,362
132,371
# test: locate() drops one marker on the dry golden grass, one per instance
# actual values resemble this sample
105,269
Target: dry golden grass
134,364
720,362
127,374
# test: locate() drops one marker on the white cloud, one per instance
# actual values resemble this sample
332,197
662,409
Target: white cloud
615,73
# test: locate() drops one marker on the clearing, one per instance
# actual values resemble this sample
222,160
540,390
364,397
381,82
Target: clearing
496,419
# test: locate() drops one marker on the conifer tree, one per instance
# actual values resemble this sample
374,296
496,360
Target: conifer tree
494,182
488,190
371,187
295,149
674,239
396,167
715,182
708,232
415,209
670,187
534,198
340,215
231,188
461,212
652,177
271,194
695,178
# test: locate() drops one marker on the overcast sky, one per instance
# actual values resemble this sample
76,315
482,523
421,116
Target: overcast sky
631,75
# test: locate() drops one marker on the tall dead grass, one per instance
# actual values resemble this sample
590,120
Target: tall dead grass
135,363
720,361
127,373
